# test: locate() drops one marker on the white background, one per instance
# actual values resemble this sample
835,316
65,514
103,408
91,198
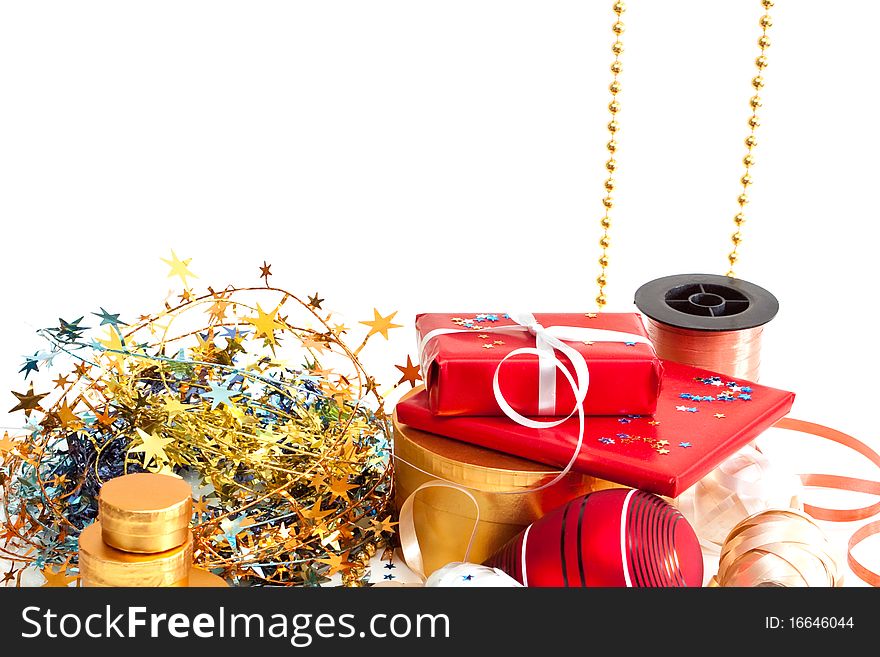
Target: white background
445,156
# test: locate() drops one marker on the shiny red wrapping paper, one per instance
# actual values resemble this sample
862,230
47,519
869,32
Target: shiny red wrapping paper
458,369
665,453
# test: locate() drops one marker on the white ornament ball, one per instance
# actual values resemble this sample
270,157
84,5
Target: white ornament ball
459,574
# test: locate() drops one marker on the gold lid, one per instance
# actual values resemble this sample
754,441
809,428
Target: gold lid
145,512
444,517
199,578
103,565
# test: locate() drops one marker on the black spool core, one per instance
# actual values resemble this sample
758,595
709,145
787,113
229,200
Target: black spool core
706,302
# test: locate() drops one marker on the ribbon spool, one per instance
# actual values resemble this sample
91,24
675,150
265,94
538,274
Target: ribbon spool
742,485
708,321
779,548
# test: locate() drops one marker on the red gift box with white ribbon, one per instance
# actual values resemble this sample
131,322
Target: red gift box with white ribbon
536,364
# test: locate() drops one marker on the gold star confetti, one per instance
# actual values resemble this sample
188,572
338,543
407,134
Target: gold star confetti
384,526
6,443
28,401
381,324
498,342
179,268
152,446
337,562
315,301
265,272
488,346
720,416
653,423
591,315
483,336
663,452
410,371
266,324
57,576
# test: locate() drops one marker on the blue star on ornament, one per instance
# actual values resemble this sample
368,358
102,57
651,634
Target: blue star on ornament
390,565
630,344
684,444
747,389
606,441
685,395
692,409
467,578
389,576
708,398
623,435
624,420
746,397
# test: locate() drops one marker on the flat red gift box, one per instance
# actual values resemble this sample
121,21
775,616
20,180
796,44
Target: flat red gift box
701,419
458,368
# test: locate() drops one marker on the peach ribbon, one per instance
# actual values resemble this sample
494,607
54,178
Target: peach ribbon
838,482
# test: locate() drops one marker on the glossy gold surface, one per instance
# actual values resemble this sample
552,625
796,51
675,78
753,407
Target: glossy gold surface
103,565
145,512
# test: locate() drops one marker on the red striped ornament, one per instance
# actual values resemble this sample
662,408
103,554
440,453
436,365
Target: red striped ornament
615,537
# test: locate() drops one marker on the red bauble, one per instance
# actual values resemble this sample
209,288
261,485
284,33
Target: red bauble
615,537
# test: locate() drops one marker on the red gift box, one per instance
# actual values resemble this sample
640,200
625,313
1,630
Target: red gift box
459,357
701,419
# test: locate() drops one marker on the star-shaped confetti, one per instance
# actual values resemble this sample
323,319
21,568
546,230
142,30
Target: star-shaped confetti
315,301
109,318
381,324
265,272
28,401
179,268
220,394
337,562
410,372
266,324
720,416
685,444
385,526
152,446
56,576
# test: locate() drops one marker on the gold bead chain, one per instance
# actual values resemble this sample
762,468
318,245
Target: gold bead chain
613,128
611,164
749,161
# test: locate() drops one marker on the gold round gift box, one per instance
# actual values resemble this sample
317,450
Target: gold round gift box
145,512
103,565
199,578
444,517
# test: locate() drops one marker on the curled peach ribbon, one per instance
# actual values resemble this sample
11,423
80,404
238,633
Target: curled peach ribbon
838,482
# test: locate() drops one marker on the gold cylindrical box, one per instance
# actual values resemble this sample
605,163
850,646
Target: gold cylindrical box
199,578
145,512
103,565
444,517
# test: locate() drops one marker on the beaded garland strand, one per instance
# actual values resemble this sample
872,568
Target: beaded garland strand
751,142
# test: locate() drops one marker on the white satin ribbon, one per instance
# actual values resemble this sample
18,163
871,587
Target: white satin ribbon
547,339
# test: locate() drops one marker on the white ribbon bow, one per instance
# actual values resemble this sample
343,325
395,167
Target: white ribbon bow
548,340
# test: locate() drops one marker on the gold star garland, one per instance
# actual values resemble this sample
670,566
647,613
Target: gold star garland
250,394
